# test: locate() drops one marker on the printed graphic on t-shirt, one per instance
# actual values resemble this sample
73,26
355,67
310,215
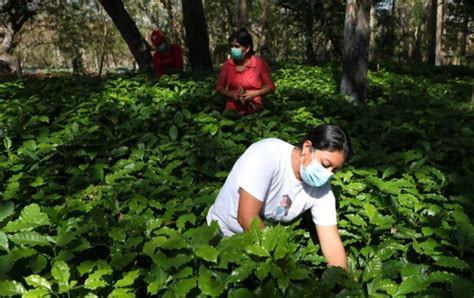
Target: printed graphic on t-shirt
282,210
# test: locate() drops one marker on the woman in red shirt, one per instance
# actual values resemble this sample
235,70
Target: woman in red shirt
244,78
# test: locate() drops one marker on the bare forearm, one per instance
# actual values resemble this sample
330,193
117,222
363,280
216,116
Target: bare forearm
245,223
336,256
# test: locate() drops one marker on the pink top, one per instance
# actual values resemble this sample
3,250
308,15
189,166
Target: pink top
255,75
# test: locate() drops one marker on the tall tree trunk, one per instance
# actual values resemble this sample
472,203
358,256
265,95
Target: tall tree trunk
197,40
356,45
264,50
241,13
465,33
129,31
432,30
372,45
309,33
439,59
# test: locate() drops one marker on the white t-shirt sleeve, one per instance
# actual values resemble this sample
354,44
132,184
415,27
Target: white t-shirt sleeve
323,210
257,169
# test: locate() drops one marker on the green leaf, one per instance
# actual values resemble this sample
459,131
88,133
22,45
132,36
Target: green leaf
241,293
95,279
242,272
372,269
11,288
386,285
31,238
7,143
257,250
183,286
209,285
60,273
389,172
128,279
38,281
357,220
410,285
173,132
122,293
207,253
450,262
30,218
35,293
3,241
6,209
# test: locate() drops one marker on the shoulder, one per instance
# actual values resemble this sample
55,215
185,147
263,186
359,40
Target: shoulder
257,61
270,145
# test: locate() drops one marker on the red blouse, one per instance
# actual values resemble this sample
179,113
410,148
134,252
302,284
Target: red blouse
253,77
172,59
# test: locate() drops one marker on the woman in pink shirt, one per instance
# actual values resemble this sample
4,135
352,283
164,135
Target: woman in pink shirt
244,78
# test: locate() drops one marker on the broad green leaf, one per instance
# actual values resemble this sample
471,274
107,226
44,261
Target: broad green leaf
96,280
242,272
166,261
410,285
283,283
31,238
208,284
263,269
372,268
7,143
386,285
6,209
273,236
122,293
357,220
38,281
128,279
257,250
30,218
159,278
183,286
60,273
207,252
38,263
241,293
173,132
389,172
450,262
35,293
11,288
299,274
3,241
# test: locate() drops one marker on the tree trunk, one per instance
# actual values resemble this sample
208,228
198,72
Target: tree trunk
432,30
439,59
197,39
465,33
356,45
241,13
309,33
129,31
372,45
264,50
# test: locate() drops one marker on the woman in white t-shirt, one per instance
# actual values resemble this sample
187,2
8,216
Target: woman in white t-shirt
278,181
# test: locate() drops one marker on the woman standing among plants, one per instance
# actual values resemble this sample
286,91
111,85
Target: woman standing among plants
276,181
244,78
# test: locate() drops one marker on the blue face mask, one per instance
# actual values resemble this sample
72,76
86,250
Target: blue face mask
315,174
161,47
236,53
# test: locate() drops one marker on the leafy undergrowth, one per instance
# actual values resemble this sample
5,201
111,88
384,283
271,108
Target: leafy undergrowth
105,186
